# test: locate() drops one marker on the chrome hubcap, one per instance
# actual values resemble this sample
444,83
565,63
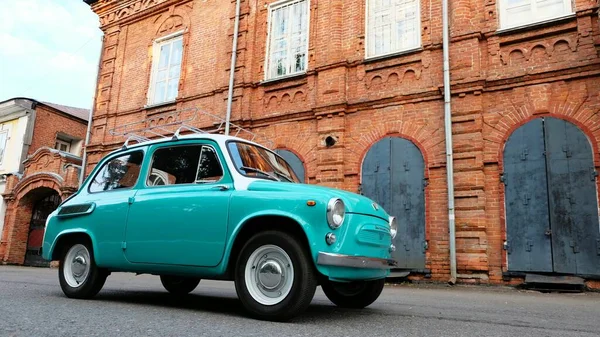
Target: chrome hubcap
269,275
77,267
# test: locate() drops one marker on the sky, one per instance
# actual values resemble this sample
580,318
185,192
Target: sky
49,51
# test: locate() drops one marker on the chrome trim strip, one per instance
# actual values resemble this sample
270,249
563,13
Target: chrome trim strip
339,260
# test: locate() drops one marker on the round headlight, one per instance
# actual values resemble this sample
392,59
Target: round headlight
336,211
393,226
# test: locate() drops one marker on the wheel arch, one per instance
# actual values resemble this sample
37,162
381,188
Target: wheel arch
67,237
262,222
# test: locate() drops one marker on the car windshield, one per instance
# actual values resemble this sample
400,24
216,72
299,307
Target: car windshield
257,162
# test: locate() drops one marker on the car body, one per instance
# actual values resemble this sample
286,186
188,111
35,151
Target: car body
188,208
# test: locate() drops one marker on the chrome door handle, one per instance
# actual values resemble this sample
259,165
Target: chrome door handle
221,187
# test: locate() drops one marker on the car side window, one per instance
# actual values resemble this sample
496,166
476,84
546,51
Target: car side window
184,164
120,172
209,167
174,165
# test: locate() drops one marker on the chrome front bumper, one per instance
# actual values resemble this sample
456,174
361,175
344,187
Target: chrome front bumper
339,260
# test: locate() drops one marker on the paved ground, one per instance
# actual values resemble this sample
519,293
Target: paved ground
32,304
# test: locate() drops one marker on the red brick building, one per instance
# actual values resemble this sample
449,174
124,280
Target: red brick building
40,161
353,92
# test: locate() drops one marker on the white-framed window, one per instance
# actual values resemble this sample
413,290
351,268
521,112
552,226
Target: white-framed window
3,142
62,145
167,53
287,48
393,26
514,13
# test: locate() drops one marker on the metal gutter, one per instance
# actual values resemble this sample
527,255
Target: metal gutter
236,29
449,154
90,116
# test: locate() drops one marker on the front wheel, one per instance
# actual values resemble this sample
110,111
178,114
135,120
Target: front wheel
357,295
78,275
179,285
275,277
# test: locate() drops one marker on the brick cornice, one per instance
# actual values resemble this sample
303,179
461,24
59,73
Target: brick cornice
113,11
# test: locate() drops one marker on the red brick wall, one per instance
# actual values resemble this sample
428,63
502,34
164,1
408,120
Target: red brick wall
499,80
49,122
18,215
45,172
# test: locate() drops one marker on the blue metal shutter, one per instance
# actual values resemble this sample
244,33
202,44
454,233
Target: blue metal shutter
573,199
527,218
393,175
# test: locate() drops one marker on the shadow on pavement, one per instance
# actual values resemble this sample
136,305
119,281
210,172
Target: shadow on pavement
217,304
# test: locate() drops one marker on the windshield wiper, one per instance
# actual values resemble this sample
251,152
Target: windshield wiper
252,169
283,176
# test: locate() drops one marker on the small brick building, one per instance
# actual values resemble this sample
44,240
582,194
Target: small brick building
352,92
41,145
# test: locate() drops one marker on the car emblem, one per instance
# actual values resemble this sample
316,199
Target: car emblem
375,207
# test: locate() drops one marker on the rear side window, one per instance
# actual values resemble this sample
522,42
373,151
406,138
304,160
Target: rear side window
120,172
184,165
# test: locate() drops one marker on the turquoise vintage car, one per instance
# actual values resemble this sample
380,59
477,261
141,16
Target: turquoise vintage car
217,207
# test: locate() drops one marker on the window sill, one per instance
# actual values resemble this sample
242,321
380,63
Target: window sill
283,78
157,105
392,55
536,24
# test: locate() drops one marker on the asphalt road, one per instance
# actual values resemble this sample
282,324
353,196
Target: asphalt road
32,304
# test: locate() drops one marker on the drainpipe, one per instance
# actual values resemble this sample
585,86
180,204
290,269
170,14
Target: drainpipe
236,29
449,156
89,125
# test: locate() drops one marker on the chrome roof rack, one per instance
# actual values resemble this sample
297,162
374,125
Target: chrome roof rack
170,125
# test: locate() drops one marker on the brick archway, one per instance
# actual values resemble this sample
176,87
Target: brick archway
20,203
573,102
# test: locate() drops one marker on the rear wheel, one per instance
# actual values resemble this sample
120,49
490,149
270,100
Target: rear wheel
358,294
78,275
274,277
178,285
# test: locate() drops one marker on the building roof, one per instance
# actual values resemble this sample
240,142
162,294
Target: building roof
30,103
73,111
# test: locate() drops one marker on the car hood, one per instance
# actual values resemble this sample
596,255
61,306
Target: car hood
355,203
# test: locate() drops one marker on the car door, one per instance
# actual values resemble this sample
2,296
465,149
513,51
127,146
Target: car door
179,216
108,195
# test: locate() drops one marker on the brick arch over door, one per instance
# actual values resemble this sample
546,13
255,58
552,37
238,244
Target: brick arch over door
295,162
429,138
573,101
551,199
287,137
393,174
20,203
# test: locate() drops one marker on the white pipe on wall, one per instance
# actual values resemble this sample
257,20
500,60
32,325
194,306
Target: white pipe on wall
449,154
233,61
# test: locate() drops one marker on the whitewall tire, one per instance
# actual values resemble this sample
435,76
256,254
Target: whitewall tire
275,278
78,274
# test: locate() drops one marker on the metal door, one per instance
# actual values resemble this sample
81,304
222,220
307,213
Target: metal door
37,225
393,175
295,162
573,199
551,202
528,246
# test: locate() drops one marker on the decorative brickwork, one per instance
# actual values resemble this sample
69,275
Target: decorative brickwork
46,171
500,80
